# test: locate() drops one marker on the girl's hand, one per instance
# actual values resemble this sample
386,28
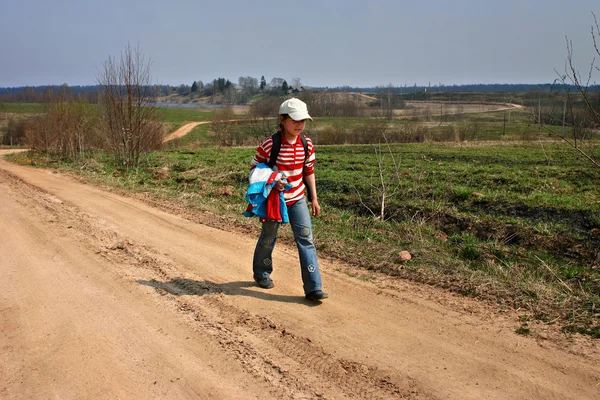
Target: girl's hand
280,185
316,208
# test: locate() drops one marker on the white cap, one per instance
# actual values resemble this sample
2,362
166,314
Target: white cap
295,108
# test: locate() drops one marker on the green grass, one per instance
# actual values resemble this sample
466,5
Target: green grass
180,115
167,114
21,108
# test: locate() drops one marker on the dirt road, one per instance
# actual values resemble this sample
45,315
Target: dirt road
187,128
105,297
184,130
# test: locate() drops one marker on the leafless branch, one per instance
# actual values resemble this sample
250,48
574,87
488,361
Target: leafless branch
386,187
127,96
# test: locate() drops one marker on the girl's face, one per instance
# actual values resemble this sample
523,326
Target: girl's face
292,128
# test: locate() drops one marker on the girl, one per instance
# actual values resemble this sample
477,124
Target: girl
298,169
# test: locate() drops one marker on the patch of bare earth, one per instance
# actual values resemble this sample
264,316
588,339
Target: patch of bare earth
432,108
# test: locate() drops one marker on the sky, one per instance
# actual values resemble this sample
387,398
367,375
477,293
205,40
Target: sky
322,42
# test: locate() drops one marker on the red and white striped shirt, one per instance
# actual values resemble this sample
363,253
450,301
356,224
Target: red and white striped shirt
290,162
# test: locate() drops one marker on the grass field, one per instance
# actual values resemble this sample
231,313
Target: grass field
21,108
183,115
167,114
172,117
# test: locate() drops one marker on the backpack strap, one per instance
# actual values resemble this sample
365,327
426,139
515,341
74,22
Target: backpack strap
305,144
276,137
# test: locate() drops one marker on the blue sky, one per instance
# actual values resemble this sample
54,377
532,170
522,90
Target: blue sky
324,43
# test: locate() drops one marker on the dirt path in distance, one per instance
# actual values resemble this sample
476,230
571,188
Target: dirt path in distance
187,128
184,130
103,296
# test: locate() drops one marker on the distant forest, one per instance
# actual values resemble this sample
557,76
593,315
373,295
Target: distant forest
90,92
471,88
42,89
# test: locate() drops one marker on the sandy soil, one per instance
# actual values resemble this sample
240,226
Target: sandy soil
105,297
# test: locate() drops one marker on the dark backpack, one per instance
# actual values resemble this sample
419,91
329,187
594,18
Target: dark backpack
276,137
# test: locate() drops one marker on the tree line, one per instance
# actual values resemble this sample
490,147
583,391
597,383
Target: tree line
248,86
221,90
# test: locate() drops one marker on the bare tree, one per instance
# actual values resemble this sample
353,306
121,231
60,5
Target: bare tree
261,127
14,133
386,184
275,85
581,109
327,104
263,118
128,104
265,107
67,129
248,84
387,101
465,130
222,125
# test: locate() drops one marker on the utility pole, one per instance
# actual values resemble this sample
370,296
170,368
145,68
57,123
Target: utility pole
540,113
564,117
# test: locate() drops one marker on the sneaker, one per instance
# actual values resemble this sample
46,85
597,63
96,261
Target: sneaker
265,283
317,295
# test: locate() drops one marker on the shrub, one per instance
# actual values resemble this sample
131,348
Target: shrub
14,134
68,129
333,134
465,131
413,133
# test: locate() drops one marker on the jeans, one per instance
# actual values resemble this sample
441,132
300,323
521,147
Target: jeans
262,264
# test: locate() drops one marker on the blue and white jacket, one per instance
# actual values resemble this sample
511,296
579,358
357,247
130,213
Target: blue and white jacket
262,203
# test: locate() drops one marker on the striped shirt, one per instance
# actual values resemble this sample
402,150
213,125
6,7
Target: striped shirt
290,162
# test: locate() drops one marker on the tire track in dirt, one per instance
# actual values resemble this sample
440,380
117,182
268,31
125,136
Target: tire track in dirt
294,360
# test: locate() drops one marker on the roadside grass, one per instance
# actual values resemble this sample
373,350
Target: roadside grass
515,223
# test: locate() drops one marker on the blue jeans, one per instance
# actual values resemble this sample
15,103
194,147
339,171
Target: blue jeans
262,264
